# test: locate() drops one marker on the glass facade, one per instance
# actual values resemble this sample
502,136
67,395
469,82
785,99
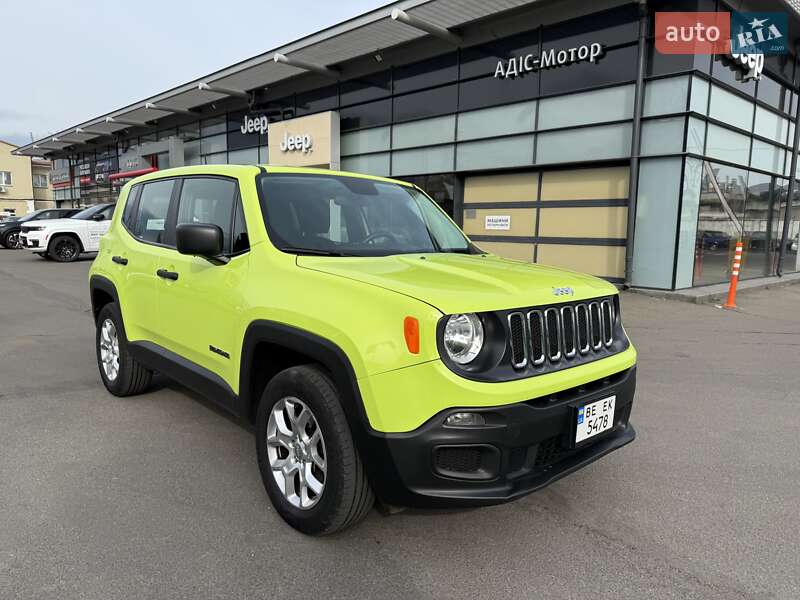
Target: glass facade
729,141
715,150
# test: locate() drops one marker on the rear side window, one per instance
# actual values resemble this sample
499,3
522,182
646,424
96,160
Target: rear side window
151,218
209,201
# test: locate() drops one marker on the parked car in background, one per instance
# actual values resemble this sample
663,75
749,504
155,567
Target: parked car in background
758,240
712,240
65,240
10,228
376,350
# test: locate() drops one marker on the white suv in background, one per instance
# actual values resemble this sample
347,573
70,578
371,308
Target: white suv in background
65,240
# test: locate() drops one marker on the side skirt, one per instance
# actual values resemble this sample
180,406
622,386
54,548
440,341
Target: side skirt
199,379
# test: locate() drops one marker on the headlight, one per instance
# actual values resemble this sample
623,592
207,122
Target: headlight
463,338
26,229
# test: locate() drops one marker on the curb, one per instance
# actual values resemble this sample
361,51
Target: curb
714,294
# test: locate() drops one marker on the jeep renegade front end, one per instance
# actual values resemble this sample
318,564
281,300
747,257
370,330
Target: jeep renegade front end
376,349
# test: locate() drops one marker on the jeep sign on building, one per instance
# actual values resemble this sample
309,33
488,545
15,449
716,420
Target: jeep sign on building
311,141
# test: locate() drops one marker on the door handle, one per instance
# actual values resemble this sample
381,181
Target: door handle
164,274
119,260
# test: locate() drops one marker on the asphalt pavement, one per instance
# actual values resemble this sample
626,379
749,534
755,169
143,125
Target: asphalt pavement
159,496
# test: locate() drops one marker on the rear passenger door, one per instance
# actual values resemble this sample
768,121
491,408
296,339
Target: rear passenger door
138,252
201,304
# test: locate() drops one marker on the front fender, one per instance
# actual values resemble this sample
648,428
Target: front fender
366,322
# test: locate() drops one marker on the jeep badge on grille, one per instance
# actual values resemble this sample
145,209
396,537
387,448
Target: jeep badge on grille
563,291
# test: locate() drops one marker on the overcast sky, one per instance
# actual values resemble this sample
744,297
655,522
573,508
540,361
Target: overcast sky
67,61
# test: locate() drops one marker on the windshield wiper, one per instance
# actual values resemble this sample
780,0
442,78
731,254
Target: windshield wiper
313,252
455,250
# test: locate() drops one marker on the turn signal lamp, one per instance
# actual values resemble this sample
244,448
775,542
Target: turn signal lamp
411,332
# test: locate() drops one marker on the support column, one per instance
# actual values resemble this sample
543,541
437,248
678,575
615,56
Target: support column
638,102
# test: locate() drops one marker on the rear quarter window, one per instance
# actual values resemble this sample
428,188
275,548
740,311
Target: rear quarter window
129,213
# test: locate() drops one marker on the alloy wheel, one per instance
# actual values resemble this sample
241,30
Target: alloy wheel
109,349
13,240
296,452
66,250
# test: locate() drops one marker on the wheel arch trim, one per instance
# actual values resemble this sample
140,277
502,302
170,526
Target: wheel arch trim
71,234
319,349
98,282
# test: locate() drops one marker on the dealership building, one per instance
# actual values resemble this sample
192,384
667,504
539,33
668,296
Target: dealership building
552,131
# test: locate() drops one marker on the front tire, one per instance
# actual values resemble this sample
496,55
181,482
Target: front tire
11,240
122,374
64,248
309,464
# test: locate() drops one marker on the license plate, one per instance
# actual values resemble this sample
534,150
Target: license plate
595,418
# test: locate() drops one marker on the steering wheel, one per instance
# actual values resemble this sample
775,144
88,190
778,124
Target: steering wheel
376,235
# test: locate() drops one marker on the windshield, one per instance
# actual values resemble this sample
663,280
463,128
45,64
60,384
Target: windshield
351,216
86,213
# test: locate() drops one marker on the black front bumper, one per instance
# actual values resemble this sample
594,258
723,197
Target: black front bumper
524,447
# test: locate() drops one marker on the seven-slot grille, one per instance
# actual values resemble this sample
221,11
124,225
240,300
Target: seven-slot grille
560,332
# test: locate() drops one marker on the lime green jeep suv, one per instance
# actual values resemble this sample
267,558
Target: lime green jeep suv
377,351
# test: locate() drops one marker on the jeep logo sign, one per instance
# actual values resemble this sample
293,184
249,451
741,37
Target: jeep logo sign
254,124
308,141
296,143
754,63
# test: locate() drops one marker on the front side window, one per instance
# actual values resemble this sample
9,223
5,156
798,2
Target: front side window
151,218
107,212
209,201
87,213
350,216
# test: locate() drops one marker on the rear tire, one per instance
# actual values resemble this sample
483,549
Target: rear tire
122,374
345,497
64,248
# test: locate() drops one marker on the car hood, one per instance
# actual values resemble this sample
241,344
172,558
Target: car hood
456,283
50,223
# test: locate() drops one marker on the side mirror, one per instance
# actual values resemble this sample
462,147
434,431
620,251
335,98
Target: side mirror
98,217
200,239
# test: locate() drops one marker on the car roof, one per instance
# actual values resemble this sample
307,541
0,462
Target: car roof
253,170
